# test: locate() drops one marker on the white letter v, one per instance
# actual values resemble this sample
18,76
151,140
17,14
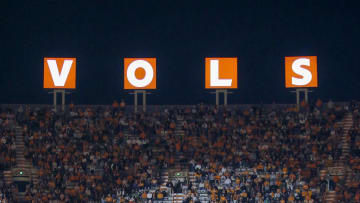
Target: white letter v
59,78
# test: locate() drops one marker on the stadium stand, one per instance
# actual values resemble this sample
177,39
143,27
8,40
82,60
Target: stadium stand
185,154
7,153
350,192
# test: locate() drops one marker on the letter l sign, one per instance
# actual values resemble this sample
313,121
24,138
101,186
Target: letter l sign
215,81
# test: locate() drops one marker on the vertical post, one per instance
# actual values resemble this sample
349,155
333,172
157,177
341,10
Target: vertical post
306,95
135,101
63,100
298,98
225,97
54,92
144,101
217,97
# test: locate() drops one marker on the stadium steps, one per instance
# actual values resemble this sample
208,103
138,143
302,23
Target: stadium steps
21,162
192,178
8,177
323,173
165,177
202,194
349,178
178,197
179,129
340,170
179,132
347,124
345,171
330,197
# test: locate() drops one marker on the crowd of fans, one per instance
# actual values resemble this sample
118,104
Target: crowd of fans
354,132
279,152
350,192
7,150
254,154
83,155
7,140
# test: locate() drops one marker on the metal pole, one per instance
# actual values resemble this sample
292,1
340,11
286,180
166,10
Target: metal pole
135,101
144,101
63,100
298,98
225,98
217,97
54,100
306,95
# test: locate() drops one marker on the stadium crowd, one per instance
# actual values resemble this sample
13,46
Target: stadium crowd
254,154
7,150
7,140
279,153
350,192
84,155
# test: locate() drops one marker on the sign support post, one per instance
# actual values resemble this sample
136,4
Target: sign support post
298,92
225,97
63,100
54,100
217,95
63,92
135,101
144,93
144,101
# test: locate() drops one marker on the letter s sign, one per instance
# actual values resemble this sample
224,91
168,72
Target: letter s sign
301,71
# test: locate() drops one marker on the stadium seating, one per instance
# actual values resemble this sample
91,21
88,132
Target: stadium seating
192,154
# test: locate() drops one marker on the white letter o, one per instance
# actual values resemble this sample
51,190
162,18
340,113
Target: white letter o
149,73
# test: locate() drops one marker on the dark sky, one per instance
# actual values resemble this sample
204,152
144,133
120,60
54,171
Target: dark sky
180,34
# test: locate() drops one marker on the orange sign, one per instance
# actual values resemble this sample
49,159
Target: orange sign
140,73
60,73
301,71
220,73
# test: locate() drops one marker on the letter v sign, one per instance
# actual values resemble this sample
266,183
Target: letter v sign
63,78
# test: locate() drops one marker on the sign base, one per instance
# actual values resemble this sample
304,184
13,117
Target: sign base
298,91
144,93
62,92
217,94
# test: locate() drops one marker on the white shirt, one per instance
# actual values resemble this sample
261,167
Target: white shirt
228,181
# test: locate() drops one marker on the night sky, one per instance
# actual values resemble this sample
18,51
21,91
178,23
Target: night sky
180,34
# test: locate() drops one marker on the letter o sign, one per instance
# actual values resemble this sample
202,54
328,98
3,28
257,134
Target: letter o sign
140,73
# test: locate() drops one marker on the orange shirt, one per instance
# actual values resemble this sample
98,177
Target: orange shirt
108,199
160,195
178,146
115,104
357,197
